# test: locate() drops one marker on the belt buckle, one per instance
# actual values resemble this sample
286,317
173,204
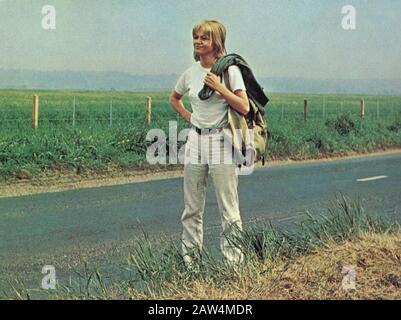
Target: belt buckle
207,130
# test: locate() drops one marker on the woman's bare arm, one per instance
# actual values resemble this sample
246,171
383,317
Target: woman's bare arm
176,102
238,99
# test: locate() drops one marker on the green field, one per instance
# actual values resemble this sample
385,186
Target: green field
100,137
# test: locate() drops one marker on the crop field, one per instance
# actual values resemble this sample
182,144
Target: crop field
96,130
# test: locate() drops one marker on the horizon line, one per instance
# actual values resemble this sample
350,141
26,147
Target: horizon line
177,74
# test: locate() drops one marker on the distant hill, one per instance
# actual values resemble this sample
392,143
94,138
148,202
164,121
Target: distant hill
30,79
368,86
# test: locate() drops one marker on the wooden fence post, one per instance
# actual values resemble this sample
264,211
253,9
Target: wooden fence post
111,112
305,109
73,113
35,112
148,110
362,112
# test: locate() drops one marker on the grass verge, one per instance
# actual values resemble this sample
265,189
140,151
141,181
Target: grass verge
28,154
318,259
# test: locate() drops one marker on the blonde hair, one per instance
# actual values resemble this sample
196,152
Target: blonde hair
216,31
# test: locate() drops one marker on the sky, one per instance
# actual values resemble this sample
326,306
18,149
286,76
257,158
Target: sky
278,38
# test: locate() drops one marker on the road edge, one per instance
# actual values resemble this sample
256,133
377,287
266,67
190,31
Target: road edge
64,183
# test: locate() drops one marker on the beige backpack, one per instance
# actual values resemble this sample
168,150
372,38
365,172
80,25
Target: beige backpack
249,133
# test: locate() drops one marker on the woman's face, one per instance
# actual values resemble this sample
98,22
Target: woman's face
203,44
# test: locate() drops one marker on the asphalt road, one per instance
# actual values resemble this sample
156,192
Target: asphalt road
56,221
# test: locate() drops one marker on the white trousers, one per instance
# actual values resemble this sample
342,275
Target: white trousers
204,154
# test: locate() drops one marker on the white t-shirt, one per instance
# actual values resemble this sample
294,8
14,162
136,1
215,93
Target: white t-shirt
212,112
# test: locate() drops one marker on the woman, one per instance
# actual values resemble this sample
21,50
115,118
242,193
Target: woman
203,146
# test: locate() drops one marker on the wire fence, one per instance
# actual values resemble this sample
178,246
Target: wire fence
73,111
315,109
